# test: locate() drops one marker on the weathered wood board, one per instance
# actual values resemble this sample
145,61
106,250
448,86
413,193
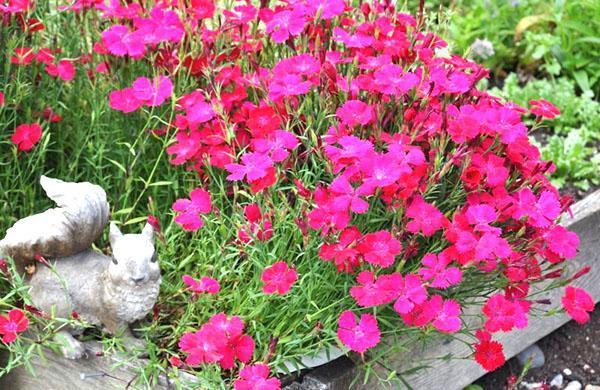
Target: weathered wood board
96,373
91,373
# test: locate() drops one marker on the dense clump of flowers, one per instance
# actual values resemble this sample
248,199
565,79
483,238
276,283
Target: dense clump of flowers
448,168
422,191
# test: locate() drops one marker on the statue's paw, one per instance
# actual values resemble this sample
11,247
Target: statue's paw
74,351
70,347
132,343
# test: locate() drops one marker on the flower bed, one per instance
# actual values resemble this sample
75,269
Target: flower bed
347,181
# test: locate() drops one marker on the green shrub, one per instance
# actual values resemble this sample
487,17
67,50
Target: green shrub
573,136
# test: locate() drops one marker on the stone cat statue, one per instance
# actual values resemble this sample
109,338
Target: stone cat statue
109,291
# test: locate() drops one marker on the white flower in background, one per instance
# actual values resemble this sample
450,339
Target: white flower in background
482,48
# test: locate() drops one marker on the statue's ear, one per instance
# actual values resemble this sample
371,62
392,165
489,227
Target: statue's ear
148,232
114,233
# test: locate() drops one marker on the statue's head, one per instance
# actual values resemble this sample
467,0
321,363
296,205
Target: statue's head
134,261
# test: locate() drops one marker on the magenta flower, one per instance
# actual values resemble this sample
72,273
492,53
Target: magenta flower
357,41
202,9
26,136
199,113
347,197
206,284
189,210
162,26
186,147
352,149
468,124
380,170
540,212
64,70
325,216
358,336
544,108
380,248
343,251
278,278
447,318
124,100
277,145
371,292
254,166
506,122
392,80
577,302
15,6
355,112
286,24
326,9
411,292
15,322
505,314
288,85
120,41
426,217
562,242
480,216
300,65
436,269
256,377
152,92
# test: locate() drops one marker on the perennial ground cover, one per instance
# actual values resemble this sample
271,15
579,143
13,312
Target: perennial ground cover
339,179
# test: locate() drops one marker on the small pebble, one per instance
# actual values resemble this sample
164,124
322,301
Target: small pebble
533,353
575,385
586,367
592,387
557,381
531,386
567,372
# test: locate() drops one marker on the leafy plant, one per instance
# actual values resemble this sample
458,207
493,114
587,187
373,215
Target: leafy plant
571,139
576,157
577,110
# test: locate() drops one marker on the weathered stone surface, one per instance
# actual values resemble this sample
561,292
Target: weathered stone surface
336,375
532,354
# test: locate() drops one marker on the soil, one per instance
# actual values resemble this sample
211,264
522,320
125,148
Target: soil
573,347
